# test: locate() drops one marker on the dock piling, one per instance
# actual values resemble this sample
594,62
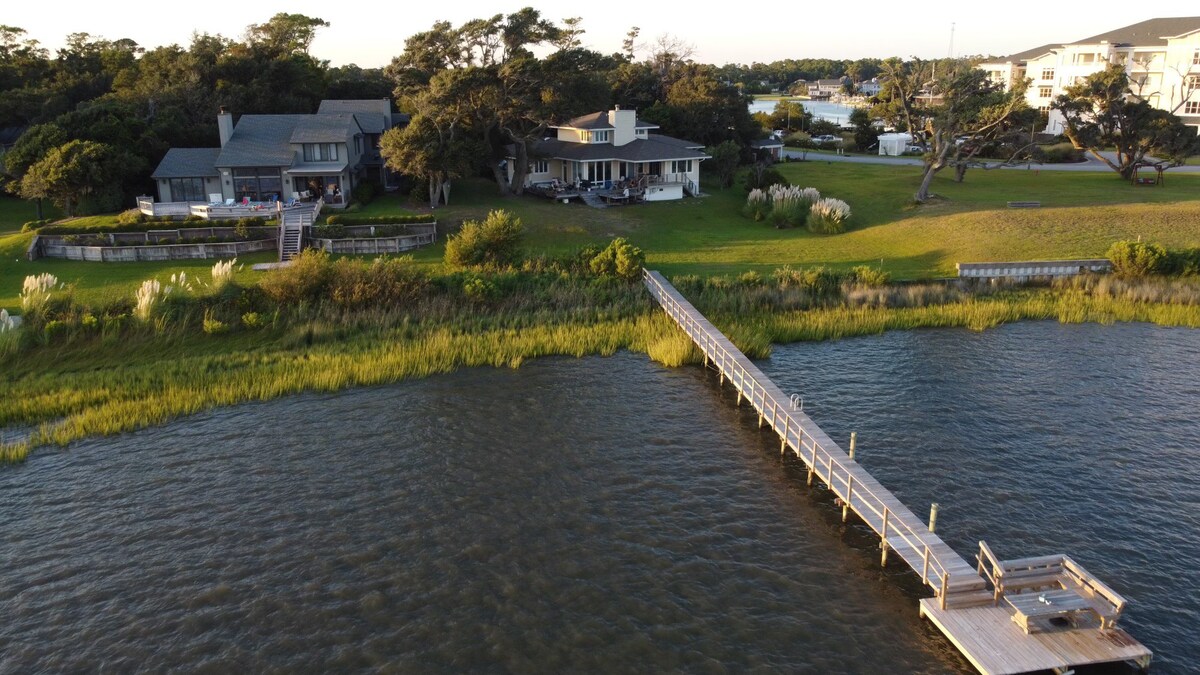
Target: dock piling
853,442
933,509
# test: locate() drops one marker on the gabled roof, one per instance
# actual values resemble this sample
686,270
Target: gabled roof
324,128
372,123
369,113
188,163
766,143
1027,55
655,148
261,140
1153,32
598,120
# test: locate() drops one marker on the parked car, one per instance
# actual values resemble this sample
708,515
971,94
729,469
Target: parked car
827,138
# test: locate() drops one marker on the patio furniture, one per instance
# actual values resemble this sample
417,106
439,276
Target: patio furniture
1050,604
214,199
230,201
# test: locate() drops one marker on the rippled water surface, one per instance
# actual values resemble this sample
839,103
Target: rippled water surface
607,515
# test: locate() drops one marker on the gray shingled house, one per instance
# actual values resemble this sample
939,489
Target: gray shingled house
604,149
264,158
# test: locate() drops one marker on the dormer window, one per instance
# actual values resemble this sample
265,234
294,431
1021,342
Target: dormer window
600,136
320,152
641,133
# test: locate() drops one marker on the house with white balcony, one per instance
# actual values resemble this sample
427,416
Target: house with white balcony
1161,56
264,159
614,150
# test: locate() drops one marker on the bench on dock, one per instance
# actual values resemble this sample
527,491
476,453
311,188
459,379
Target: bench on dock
1053,577
1024,205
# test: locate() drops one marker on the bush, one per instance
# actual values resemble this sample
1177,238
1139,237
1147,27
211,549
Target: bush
154,224
619,259
330,231
354,284
1061,153
213,326
493,242
305,279
34,224
365,192
252,320
763,177
1182,262
758,205
864,275
829,216
341,219
1132,259
131,217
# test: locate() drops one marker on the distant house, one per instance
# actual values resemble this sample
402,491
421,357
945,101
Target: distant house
264,158
772,147
826,88
606,148
869,87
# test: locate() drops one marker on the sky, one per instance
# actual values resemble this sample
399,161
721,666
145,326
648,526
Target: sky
371,33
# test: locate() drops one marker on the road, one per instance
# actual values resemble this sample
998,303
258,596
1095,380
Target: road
1092,164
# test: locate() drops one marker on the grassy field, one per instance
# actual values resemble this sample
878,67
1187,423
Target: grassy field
1083,214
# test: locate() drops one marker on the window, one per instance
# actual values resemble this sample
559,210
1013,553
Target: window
641,133
187,190
1196,58
358,144
1192,83
1085,58
258,184
585,136
1191,108
320,152
600,137
1047,73
1044,109
541,166
1044,92
681,166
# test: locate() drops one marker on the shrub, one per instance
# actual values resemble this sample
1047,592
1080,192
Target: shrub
493,242
829,216
354,284
1132,259
763,177
35,291
131,217
750,279
212,325
790,204
758,205
342,219
1182,262
252,320
619,259
479,290
305,279
222,274
193,219
330,231
864,275
1061,153
34,224
147,296
365,192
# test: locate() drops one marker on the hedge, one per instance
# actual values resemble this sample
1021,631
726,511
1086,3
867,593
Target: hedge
156,225
341,219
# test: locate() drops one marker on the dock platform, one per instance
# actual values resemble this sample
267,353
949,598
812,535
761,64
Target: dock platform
974,605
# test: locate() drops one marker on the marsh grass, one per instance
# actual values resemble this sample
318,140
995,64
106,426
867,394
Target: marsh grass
114,374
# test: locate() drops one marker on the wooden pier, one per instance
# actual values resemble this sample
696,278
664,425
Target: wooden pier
1011,616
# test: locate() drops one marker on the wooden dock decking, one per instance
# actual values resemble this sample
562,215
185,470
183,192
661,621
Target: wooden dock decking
963,608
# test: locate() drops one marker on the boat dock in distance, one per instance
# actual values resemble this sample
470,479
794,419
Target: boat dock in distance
1005,616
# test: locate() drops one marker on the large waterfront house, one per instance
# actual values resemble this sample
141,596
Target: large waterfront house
608,149
268,158
1161,56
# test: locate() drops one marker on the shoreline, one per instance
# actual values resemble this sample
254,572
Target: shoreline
65,395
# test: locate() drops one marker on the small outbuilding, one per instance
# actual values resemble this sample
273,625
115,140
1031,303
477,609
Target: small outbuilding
894,144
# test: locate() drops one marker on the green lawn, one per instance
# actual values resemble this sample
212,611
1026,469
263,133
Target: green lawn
1083,214
16,212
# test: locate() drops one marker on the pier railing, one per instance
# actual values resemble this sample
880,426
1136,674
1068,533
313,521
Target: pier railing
919,547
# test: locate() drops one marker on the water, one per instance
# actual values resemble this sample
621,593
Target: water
825,110
607,515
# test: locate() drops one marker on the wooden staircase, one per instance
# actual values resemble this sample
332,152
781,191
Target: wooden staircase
291,233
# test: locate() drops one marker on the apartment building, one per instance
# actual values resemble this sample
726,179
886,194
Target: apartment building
1162,57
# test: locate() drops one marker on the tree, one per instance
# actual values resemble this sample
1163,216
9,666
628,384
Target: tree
68,173
434,146
948,110
1102,112
724,162
866,134
285,34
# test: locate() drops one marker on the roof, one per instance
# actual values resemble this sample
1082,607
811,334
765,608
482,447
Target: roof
324,128
373,123
401,119
1021,57
1147,33
599,120
766,143
370,105
188,163
261,140
317,168
656,148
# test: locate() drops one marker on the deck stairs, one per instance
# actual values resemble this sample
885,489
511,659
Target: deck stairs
291,233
